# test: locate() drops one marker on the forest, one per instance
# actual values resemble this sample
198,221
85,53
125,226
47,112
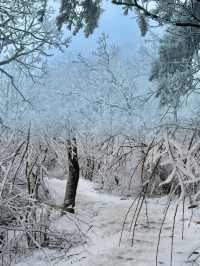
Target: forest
99,132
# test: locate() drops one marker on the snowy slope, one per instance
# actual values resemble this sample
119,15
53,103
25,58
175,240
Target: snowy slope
99,218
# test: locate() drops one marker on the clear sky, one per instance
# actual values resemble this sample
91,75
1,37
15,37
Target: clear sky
122,30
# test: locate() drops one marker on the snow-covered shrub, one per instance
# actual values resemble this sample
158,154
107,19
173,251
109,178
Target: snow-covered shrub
55,162
169,160
125,164
111,161
22,186
173,160
25,201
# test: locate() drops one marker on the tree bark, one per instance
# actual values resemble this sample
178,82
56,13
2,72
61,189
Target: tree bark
89,170
73,176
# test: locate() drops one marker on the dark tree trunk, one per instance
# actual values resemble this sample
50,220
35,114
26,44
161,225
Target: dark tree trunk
89,172
73,178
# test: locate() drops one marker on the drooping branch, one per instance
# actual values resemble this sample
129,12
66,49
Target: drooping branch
194,22
138,6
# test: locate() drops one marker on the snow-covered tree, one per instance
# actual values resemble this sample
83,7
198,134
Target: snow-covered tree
176,67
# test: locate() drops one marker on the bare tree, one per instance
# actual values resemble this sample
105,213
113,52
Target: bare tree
25,36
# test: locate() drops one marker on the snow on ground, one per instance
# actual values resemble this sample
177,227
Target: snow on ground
99,217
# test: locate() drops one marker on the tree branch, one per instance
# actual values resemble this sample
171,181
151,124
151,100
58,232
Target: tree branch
153,16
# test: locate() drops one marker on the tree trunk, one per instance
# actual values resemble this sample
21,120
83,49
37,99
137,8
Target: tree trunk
73,176
89,171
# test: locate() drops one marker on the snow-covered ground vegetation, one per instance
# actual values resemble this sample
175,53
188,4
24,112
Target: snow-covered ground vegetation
137,200
25,200
99,219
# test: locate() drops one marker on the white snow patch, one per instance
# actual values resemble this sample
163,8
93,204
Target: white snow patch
100,216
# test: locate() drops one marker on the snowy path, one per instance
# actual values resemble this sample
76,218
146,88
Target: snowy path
104,215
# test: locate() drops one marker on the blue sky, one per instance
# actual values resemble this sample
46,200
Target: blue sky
122,30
